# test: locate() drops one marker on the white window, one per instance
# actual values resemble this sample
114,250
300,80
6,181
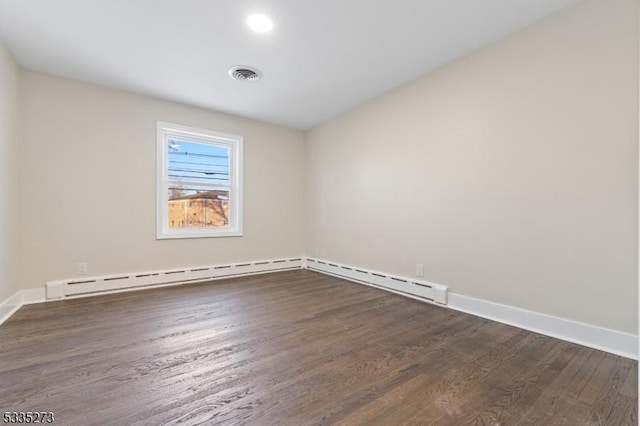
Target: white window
199,183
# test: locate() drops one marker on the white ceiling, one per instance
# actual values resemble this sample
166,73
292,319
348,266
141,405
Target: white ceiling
322,58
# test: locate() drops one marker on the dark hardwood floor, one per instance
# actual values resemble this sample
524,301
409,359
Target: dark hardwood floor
297,348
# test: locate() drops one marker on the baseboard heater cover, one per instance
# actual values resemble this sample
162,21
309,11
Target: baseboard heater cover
435,293
88,286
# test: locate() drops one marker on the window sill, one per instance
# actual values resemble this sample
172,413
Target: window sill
184,235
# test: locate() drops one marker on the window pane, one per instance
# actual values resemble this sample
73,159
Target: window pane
200,183
198,162
191,207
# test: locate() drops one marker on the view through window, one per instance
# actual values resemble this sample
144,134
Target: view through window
199,182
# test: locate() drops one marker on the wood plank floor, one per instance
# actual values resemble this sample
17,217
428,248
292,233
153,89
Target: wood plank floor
298,348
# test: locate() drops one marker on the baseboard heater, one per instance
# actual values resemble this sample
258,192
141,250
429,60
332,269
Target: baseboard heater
64,289
435,293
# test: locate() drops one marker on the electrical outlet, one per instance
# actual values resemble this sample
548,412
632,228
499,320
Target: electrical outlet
83,268
419,270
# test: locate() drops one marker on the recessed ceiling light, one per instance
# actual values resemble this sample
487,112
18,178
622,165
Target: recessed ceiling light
260,23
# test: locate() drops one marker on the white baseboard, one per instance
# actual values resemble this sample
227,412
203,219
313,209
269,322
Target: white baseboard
94,286
612,341
23,297
616,342
9,306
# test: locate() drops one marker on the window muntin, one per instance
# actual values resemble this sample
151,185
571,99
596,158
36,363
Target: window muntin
199,191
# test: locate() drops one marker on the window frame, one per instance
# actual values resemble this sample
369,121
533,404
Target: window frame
234,143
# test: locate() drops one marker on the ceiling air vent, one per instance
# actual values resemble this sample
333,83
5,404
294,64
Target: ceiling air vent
245,73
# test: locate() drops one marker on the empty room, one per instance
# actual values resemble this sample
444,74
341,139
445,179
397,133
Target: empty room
281,212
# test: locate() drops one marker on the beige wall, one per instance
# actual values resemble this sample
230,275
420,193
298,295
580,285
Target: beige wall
88,184
9,92
511,174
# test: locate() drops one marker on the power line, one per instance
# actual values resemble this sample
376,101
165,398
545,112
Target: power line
206,172
195,154
198,164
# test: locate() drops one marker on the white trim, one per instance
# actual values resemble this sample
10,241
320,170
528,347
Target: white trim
23,297
9,306
119,283
235,187
616,342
